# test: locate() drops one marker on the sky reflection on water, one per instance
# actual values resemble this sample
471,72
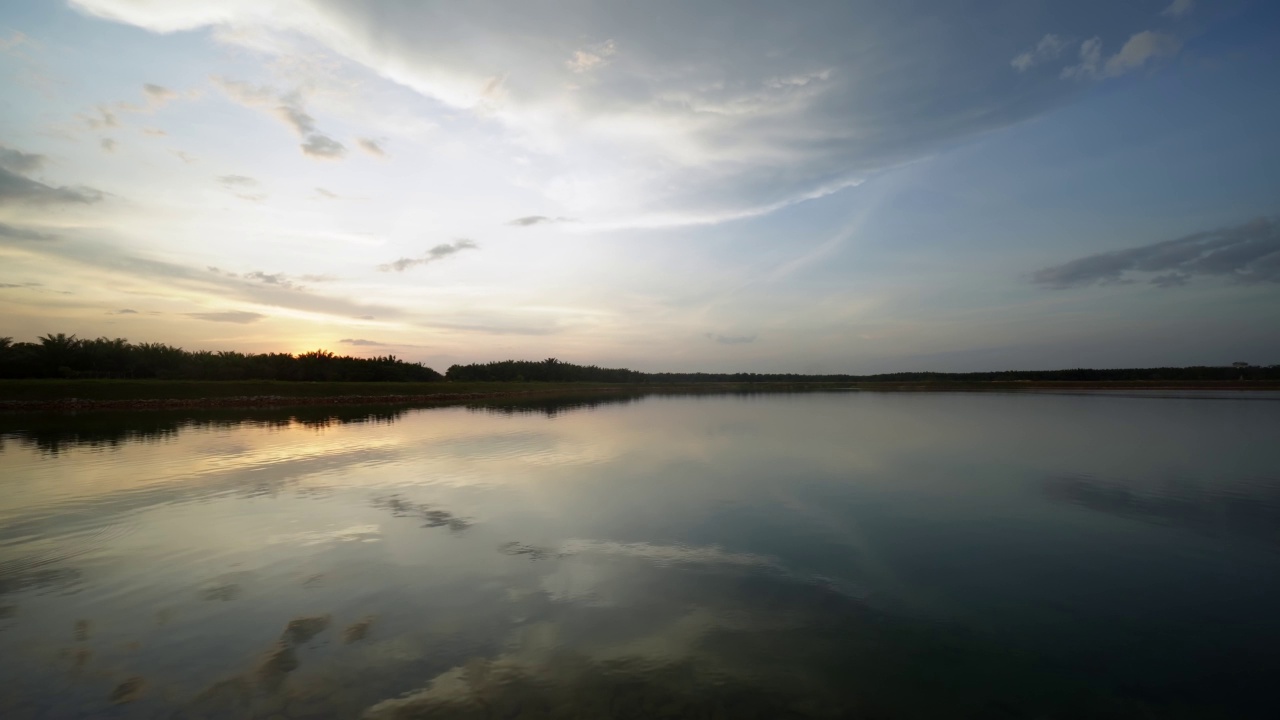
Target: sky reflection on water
810,555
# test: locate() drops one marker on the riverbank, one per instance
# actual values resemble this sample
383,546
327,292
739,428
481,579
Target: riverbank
78,395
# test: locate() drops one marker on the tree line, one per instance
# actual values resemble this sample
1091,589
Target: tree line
549,370
66,356
555,370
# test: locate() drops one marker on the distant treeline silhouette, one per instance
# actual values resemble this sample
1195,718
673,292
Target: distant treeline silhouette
66,356
552,369
549,370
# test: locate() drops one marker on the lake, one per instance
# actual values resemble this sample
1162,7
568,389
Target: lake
832,554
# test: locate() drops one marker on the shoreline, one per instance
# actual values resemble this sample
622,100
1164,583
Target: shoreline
77,404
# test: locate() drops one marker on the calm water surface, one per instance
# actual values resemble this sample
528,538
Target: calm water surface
909,555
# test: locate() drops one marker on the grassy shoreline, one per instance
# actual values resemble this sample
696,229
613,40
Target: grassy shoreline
44,395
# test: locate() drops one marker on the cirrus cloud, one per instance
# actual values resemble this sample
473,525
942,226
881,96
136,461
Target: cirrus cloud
1246,253
435,254
241,317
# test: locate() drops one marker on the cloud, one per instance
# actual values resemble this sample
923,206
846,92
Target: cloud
158,93
691,120
731,339
115,264
439,252
1090,60
155,132
107,145
528,220
286,107
326,194
234,182
371,146
101,117
13,41
1049,48
20,233
184,157
294,117
1139,49
1247,253
1178,8
280,280
123,311
16,188
591,57
323,146
20,162
1136,52
241,317
361,342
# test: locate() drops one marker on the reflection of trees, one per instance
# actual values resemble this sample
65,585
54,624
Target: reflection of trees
552,406
1254,515
55,433
560,403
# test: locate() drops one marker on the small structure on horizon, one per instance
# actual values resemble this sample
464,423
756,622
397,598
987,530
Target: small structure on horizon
1239,364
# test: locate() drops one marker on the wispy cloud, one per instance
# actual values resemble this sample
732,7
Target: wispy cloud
1178,8
286,107
99,118
108,145
1049,48
1247,253
1137,51
23,233
20,162
323,146
528,220
689,124
158,93
278,279
20,189
241,317
361,342
591,57
240,186
371,146
435,254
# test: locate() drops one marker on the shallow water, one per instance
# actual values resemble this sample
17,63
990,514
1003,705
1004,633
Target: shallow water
852,554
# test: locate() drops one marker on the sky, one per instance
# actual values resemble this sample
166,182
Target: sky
854,186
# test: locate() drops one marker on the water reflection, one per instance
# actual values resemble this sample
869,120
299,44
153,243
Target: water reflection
1249,510
57,432
817,555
